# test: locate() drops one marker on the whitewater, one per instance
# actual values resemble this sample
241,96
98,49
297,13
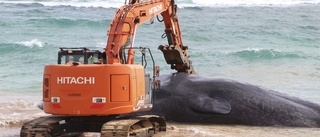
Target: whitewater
270,43
182,3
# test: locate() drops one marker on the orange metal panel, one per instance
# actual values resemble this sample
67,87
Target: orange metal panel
46,88
76,86
120,88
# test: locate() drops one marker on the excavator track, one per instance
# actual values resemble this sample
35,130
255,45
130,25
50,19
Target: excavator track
39,127
141,126
53,126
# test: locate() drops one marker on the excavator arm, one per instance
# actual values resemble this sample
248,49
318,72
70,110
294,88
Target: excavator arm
125,22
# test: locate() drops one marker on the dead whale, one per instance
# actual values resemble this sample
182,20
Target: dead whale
188,98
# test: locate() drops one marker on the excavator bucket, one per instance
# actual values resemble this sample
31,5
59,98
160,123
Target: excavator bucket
173,54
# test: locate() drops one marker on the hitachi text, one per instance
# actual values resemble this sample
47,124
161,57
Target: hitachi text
155,9
75,80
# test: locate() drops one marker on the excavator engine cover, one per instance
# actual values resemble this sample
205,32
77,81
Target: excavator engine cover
84,90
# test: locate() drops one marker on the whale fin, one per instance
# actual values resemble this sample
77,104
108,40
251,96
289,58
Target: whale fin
211,105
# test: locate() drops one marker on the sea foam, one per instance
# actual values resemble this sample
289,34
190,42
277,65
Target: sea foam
16,112
211,3
31,43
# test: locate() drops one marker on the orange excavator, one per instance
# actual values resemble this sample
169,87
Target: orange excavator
87,90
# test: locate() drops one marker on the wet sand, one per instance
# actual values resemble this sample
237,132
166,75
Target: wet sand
182,130
15,112
197,130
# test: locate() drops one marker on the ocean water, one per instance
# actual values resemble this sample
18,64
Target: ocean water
270,43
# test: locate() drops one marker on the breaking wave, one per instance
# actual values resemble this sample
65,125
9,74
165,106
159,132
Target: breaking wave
72,3
256,54
181,3
213,3
29,46
31,43
64,22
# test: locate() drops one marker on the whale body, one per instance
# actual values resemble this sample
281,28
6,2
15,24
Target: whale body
195,99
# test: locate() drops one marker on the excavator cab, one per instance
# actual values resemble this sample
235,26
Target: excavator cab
81,55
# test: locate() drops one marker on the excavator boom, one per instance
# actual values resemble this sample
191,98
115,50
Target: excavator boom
125,22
